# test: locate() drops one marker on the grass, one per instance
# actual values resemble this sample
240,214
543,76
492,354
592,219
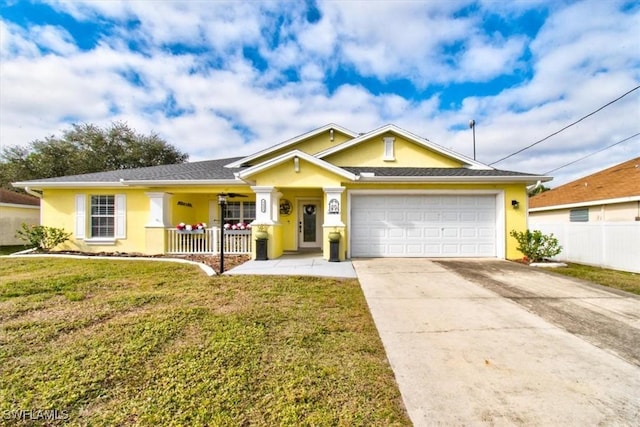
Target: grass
143,343
629,282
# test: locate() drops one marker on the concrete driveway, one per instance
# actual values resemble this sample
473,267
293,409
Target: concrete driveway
490,342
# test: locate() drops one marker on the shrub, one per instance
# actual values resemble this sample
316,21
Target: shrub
535,245
39,236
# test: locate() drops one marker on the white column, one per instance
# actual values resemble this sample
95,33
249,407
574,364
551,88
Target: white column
333,206
158,210
267,208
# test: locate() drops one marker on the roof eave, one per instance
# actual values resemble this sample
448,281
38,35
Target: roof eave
66,184
19,205
453,179
588,203
176,183
123,183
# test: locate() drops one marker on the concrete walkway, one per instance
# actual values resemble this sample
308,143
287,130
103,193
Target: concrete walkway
298,264
465,355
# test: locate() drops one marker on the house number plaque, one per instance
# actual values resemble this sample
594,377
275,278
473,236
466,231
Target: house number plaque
334,207
263,205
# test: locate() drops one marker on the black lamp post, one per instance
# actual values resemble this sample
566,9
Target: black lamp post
222,201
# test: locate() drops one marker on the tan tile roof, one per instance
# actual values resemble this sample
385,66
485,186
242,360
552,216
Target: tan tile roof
7,196
621,180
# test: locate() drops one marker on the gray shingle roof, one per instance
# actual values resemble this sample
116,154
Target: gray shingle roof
433,172
204,170
216,170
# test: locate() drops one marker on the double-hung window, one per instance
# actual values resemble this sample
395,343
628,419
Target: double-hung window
100,217
103,218
236,212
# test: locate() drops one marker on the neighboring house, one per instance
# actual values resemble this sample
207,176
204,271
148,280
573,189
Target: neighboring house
388,192
596,218
15,209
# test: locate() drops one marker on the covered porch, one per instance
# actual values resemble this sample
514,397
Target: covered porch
289,218
207,241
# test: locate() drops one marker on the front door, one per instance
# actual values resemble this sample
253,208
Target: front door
309,223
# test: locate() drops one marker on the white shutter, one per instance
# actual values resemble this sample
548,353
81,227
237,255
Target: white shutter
121,215
81,216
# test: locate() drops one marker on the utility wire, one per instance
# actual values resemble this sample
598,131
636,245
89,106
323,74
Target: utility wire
567,127
595,152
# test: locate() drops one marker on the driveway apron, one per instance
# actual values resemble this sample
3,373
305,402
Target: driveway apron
463,354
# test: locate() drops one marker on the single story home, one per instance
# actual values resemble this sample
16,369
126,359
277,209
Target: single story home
16,209
612,194
387,192
596,219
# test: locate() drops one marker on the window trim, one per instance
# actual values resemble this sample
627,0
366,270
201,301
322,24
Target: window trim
83,222
388,154
242,218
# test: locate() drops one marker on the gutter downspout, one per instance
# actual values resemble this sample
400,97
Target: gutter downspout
28,190
534,187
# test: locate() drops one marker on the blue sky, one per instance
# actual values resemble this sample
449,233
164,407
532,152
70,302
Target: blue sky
221,79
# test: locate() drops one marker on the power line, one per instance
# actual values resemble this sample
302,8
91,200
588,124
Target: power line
567,127
595,152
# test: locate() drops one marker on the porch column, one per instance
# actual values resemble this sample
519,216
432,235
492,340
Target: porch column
333,202
157,222
266,205
267,219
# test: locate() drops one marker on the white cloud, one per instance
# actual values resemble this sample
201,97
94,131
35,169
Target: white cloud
14,43
485,60
584,55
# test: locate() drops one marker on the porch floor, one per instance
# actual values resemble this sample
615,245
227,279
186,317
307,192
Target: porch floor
302,263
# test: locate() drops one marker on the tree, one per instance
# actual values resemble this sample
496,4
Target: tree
86,148
537,190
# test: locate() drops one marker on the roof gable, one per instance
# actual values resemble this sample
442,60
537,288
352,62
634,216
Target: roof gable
311,142
295,157
621,181
434,154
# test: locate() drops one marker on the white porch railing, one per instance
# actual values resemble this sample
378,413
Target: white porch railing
207,241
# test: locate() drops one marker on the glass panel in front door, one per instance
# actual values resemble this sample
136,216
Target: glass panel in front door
309,222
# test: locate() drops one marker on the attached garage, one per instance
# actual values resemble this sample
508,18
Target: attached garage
425,225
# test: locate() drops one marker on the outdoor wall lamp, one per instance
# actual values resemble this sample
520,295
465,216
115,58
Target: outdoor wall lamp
515,204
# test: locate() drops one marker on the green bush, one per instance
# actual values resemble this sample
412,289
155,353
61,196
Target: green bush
41,237
535,245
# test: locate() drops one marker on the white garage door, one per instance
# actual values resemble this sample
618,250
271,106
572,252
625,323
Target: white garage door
423,225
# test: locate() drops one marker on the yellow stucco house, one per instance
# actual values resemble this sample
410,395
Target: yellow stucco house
388,192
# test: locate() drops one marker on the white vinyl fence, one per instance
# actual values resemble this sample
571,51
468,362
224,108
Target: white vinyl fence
613,245
207,241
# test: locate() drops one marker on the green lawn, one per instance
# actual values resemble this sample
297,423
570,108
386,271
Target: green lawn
623,280
143,343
